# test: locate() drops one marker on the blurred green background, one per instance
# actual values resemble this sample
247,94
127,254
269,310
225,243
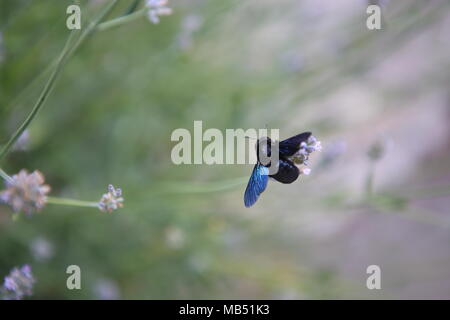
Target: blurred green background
184,231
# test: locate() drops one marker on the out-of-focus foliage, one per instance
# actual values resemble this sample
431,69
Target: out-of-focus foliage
295,65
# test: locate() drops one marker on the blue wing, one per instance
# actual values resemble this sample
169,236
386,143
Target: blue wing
256,185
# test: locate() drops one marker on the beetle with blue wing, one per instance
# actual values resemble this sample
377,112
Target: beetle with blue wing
292,152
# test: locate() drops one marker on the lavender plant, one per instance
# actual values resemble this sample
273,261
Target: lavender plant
27,192
112,200
189,235
18,284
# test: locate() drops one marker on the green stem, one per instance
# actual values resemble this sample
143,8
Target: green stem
72,202
132,7
121,20
4,175
102,26
66,53
31,85
40,102
93,26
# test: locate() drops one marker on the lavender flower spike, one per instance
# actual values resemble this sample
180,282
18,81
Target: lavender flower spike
26,192
112,200
301,157
18,284
157,8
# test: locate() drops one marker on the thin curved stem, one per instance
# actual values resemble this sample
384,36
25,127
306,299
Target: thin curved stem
4,175
40,102
65,54
72,202
121,20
